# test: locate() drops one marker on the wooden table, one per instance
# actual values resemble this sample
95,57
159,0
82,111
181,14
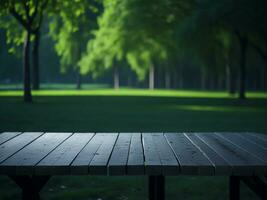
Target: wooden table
30,159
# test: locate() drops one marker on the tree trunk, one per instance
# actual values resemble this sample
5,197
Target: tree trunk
116,77
174,78
79,80
35,62
181,77
167,78
262,79
26,69
242,68
129,81
220,82
203,79
151,77
230,79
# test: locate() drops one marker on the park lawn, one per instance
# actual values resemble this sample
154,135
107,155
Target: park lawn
106,110
102,90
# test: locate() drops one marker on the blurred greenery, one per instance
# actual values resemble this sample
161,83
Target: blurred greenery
200,55
131,111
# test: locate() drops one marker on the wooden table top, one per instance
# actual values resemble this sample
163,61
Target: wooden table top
133,153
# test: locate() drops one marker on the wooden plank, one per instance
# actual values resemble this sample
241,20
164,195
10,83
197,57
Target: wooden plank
255,139
259,135
242,162
80,164
98,164
159,157
246,145
7,136
12,146
58,161
25,160
118,159
135,163
221,166
191,159
152,159
170,165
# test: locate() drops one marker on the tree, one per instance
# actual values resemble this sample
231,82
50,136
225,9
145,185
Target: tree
71,29
28,14
129,30
242,19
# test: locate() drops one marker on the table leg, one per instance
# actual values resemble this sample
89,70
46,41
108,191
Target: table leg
30,185
156,187
234,188
257,184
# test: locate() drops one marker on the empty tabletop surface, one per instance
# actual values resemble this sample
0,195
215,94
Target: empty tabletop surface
38,153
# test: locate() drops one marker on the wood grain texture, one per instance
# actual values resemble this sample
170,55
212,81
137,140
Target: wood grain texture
221,166
12,146
152,159
7,136
241,161
118,159
135,163
58,161
191,159
98,164
247,145
25,160
257,139
159,157
133,154
80,164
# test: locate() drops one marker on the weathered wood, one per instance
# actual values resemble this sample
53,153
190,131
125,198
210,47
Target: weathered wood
159,157
170,165
221,166
259,135
7,136
98,164
246,145
191,159
255,139
242,162
24,161
152,159
80,164
135,163
118,159
58,161
133,154
12,146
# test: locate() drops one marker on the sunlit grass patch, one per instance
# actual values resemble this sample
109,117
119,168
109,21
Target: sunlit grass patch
205,108
132,92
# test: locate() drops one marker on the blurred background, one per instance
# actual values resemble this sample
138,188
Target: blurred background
132,66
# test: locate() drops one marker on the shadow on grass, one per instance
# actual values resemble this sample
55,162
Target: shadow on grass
132,113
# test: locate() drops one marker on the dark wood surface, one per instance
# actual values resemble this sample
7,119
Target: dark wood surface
133,153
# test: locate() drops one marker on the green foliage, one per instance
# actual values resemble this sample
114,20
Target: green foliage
15,34
17,17
71,28
139,31
209,33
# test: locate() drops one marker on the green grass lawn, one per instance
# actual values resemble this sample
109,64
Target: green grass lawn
130,110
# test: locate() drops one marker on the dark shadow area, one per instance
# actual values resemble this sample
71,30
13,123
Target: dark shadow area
132,113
